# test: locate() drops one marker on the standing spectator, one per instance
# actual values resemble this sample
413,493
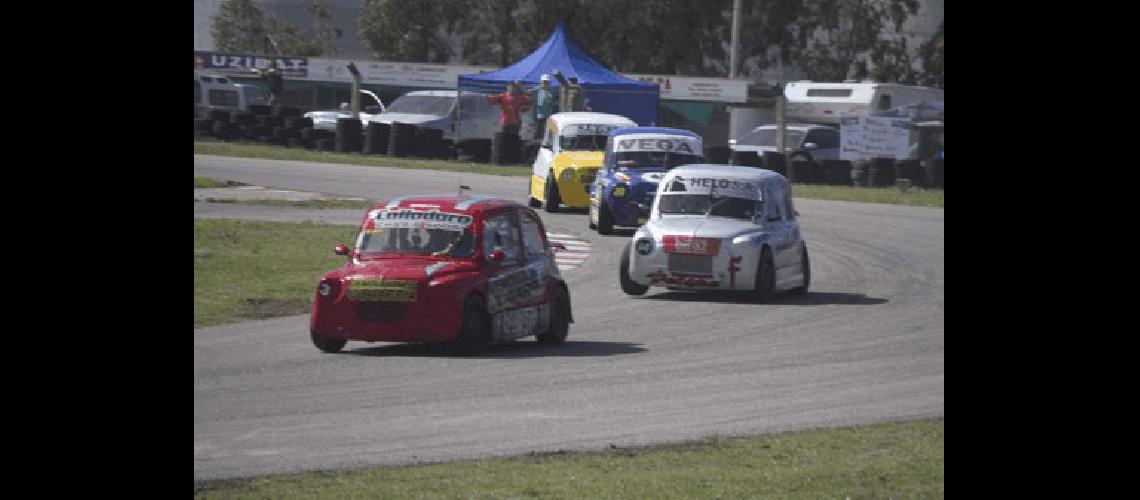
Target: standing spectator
572,96
510,103
273,78
543,105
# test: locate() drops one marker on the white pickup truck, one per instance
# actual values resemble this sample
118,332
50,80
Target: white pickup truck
326,120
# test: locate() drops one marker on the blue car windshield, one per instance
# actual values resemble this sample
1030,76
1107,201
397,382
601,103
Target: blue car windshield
656,159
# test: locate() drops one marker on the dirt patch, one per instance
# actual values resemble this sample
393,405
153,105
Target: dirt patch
262,308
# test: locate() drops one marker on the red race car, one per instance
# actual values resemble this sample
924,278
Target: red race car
463,270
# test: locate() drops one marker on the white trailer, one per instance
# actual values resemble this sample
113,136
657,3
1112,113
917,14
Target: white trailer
825,103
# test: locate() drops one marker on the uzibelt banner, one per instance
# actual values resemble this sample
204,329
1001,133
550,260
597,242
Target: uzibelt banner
224,63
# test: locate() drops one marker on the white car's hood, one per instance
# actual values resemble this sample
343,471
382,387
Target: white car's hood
410,118
699,225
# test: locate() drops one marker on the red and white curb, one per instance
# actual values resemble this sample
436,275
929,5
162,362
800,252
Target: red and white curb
575,253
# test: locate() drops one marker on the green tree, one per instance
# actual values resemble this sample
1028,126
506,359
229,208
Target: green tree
239,26
317,41
844,32
933,57
410,30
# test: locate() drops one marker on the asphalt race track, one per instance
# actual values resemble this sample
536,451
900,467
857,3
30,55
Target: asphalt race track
866,345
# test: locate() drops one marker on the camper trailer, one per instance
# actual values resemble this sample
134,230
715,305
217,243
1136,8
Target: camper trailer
823,102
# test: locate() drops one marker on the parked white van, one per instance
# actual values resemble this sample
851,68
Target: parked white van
824,102
475,119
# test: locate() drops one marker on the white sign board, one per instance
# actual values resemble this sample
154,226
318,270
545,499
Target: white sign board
689,88
866,137
391,73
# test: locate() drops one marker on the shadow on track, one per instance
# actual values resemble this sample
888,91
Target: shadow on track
522,348
783,299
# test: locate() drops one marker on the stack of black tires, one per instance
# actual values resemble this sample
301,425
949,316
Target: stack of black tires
401,139
349,135
506,149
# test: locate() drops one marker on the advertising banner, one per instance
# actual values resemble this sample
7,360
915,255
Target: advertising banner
223,63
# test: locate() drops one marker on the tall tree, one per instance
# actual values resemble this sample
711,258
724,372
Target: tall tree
933,57
316,41
849,31
409,30
239,26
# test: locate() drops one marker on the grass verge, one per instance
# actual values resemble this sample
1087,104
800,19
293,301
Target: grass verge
897,459
213,147
251,269
208,182
918,197
323,203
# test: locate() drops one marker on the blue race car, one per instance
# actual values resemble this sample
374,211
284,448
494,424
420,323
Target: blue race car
635,159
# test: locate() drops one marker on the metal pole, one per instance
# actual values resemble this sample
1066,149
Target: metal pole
733,57
355,98
781,125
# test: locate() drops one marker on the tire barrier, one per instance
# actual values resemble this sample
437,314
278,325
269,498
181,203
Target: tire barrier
910,169
376,138
474,150
297,142
243,118
224,130
745,158
775,162
836,172
324,144
803,171
270,121
281,135
297,123
717,154
881,173
256,132
506,149
935,173
349,135
285,111
446,150
265,139
308,134
260,109
205,126
427,142
218,115
859,173
401,139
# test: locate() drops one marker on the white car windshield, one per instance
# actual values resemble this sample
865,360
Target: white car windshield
582,142
767,137
422,105
703,204
434,242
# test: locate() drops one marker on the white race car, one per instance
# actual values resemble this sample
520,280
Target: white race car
719,227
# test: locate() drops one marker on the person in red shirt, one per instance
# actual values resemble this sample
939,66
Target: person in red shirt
510,104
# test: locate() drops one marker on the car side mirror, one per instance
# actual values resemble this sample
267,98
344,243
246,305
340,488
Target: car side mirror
810,145
773,218
498,256
558,244
341,249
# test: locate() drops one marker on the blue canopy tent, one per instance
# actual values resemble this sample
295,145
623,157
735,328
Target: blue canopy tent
605,90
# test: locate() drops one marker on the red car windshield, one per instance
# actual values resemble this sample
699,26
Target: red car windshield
428,242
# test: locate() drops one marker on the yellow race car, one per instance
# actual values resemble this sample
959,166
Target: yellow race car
569,156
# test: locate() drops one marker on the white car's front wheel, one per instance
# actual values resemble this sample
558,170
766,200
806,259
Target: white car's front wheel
629,286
